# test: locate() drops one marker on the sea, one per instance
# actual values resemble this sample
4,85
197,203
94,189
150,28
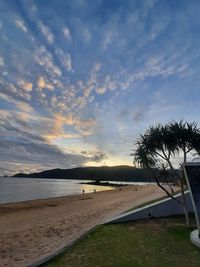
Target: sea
22,189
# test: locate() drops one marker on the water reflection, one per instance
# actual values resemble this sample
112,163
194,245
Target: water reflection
21,189
91,188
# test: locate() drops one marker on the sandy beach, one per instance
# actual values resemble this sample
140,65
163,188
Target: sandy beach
31,230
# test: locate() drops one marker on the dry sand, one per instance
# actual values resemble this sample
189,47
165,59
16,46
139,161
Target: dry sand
31,230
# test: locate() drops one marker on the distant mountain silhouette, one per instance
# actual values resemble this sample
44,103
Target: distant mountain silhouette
117,173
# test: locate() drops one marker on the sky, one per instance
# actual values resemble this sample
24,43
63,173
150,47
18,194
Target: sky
81,80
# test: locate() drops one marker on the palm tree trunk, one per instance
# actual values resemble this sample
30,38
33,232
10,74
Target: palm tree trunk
185,207
187,216
184,203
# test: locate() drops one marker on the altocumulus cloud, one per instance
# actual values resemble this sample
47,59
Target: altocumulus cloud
95,74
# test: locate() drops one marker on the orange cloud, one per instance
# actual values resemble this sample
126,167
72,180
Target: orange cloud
83,127
27,86
53,136
42,84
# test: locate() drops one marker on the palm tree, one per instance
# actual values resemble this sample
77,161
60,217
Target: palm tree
186,137
158,147
141,156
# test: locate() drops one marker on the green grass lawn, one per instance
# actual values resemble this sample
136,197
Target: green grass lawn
149,243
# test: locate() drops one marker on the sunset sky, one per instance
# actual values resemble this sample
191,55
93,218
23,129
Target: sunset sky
81,79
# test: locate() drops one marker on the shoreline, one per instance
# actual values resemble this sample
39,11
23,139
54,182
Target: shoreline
12,192
43,202
32,230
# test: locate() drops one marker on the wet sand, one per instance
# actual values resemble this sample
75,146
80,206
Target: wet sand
31,230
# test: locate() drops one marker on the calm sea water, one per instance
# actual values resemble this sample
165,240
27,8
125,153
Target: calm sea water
21,189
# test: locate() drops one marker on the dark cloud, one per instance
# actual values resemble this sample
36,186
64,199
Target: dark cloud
20,146
124,114
84,152
138,116
98,157
26,151
94,156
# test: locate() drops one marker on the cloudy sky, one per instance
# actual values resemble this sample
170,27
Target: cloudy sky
81,79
